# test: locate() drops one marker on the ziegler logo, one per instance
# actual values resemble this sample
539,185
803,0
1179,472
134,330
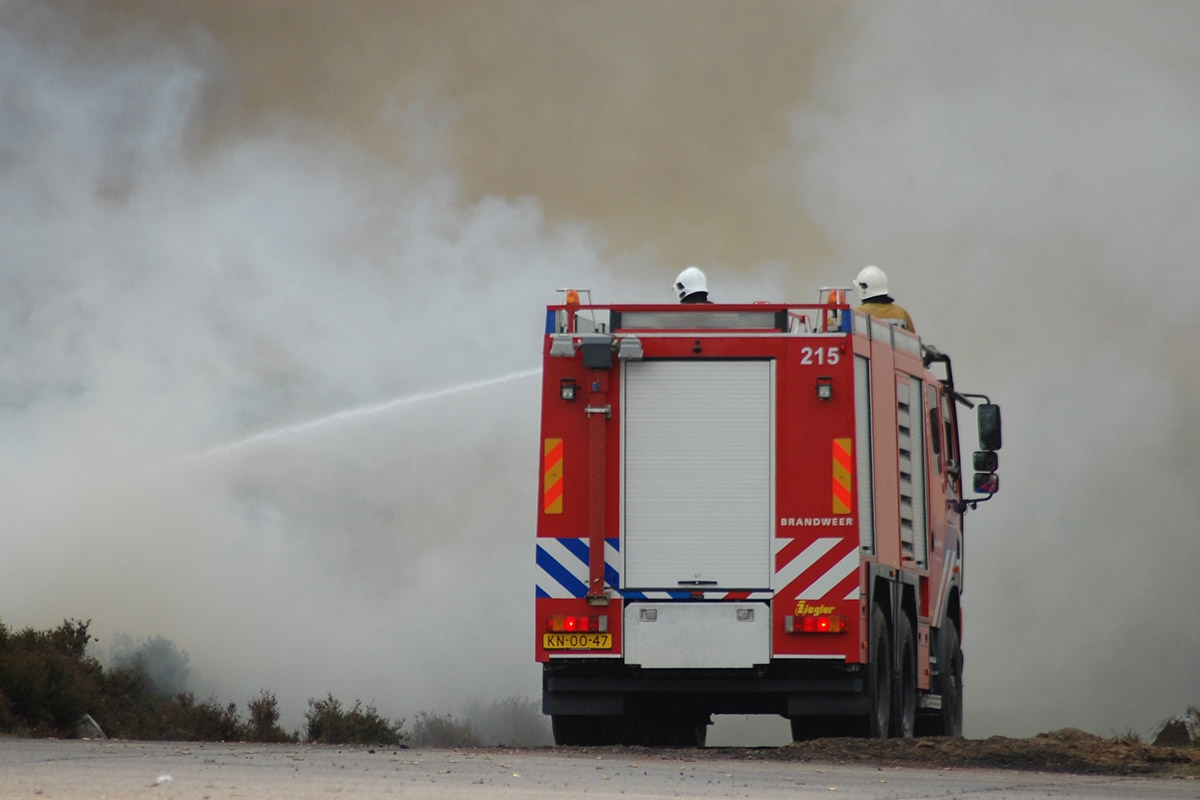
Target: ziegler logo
803,609
813,522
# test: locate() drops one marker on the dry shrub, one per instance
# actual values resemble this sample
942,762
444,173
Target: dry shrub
328,723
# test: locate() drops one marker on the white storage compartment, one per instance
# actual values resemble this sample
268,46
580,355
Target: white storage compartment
697,635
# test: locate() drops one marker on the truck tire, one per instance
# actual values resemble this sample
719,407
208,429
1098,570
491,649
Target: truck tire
692,731
665,726
571,730
807,728
952,686
946,720
647,726
879,676
904,692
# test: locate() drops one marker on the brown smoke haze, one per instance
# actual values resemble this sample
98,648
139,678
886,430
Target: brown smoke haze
221,219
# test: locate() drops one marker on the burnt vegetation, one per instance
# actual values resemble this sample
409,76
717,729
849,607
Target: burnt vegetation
48,682
50,686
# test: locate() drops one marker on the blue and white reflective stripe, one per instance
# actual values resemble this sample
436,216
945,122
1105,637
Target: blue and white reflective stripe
632,594
563,566
560,572
563,570
612,554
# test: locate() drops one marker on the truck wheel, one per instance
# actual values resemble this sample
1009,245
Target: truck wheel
807,728
571,730
952,687
664,726
947,720
904,693
879,676
692,731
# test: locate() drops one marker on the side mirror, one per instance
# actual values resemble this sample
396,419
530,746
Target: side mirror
989,426
987,461
986,483
986,480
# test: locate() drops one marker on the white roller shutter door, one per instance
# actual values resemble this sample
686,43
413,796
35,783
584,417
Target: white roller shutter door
698,456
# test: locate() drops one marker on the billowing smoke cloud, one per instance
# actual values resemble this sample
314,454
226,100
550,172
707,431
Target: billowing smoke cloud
221,219
1028,173
163,295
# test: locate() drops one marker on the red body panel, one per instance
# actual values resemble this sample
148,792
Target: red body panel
819,564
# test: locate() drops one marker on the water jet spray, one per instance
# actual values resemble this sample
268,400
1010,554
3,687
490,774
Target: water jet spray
346,415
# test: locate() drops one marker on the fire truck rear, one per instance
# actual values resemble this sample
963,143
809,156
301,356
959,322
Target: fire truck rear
750,509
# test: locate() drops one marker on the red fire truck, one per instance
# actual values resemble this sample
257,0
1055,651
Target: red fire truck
750,509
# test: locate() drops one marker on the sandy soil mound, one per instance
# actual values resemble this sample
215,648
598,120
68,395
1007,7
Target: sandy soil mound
1066,750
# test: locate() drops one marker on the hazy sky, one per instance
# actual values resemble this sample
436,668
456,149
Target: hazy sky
223,218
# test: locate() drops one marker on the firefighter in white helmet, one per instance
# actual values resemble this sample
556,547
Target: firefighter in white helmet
873,291
691,286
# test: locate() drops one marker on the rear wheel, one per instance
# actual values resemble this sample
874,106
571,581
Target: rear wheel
904,694
655,725
571,730
946,720
807,728
952,687
693,731
879,676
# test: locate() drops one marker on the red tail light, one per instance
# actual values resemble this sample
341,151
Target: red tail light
570,623
814,624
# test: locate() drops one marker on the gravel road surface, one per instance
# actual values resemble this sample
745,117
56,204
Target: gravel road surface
40,769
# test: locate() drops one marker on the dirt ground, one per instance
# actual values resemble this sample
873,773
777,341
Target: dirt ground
1066,750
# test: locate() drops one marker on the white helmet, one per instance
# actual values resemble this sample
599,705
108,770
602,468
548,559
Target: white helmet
871,282
690,281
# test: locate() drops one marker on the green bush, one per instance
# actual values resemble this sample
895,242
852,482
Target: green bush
264,720
181,718
328,723
47,682
127,707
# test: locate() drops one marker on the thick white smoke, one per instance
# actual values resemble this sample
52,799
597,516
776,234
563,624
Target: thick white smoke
1027,173
163,295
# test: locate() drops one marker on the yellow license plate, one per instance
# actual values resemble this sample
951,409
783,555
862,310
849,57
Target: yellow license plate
577,641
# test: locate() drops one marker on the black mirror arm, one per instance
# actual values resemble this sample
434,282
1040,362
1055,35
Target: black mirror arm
969,503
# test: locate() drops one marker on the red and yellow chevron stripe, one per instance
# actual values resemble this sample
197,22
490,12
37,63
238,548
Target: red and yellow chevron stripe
552,487
841,476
